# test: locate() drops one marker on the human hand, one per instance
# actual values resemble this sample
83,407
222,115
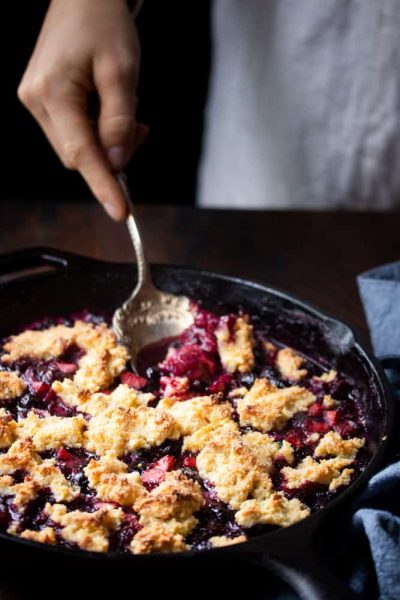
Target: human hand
88,46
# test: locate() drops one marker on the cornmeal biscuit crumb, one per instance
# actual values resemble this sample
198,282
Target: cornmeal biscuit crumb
198,412
265,407
204,435
18,457
99,367
326,377
96,403
236,347
49,433
218,541
46,474
237,393
232,467
267,450
329,402
22,492
127,429
269,347
156,537
90,531
52,342
325,472
109,477
332,444
47,535
7,429
289,364
173,503
275,510
11,386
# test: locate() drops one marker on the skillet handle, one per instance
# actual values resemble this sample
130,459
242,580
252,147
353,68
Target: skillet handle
308,576
23,263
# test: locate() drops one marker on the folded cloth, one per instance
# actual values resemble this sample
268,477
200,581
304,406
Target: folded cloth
373,557
380,294
364,542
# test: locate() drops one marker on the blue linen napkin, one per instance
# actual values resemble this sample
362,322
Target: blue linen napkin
364,541
376,516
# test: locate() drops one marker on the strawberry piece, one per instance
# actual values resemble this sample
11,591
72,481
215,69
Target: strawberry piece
174,386
190,361
70,461
316,426
39,387
155,474
316,410
189,462
166,463
221,383
347,428
331,417
295,438
133,381
66,368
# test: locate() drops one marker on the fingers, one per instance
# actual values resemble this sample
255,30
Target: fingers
116,85
72,135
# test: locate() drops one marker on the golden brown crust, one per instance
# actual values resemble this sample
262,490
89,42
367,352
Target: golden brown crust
48,433
265,407
195,413
326,377
326,472
128,429
109,477
233,468
177,498
18,457
267,450
156,537
96,403
11,386
218,541
7,429
289,364
47,535
274,510
52,342
236,347
90,531
332,444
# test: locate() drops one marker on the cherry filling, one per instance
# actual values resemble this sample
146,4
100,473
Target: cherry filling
183,367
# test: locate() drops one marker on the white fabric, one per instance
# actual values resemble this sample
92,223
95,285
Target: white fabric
304,105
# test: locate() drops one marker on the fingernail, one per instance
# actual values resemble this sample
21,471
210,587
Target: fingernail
114,212
117,157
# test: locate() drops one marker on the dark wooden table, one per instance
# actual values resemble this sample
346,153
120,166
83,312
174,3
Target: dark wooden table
314,255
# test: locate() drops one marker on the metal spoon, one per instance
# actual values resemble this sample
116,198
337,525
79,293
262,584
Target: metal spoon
149,314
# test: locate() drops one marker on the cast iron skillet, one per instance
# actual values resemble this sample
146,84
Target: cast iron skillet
72,282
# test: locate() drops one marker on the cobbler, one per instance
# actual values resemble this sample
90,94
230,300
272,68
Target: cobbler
225,435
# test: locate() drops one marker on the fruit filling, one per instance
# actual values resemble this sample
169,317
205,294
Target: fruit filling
225,434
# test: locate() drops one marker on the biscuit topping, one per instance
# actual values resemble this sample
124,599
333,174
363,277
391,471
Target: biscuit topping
223,430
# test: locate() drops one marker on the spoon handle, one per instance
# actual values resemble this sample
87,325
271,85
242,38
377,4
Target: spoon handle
144,275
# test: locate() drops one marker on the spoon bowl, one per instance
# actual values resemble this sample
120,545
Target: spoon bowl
149,314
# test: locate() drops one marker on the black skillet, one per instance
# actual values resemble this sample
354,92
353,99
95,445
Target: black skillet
44,282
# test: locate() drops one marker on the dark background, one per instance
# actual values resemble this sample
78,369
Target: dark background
175,40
